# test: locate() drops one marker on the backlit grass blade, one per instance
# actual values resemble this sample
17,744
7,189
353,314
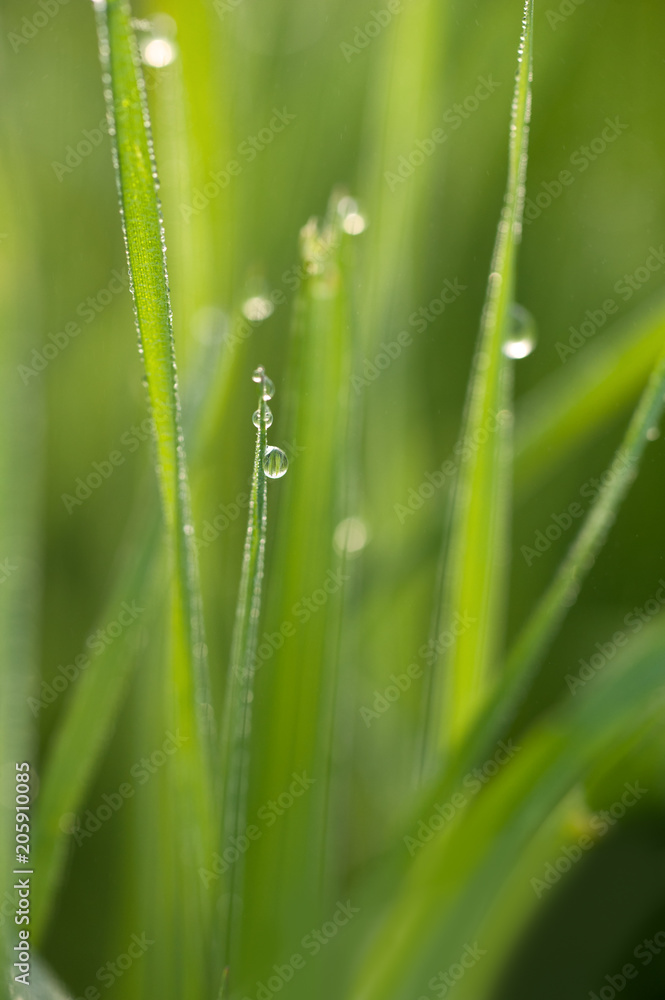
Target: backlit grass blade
475,576
563,413
187,692
459,875
562,592
296,680
240,680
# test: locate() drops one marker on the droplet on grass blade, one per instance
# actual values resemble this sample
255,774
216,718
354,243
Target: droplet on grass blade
275,463
267,417
257,308
522,340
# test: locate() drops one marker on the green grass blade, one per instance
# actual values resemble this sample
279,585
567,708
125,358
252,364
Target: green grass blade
188,697
562,592
475,575
456,878
564,412
240,680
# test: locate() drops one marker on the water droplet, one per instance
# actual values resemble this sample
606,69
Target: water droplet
522,340
275,462
653,434
268,388
256,417
258,374
257,308
350,536
158,52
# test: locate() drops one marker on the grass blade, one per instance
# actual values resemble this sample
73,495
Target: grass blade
188,697
475,576
240,680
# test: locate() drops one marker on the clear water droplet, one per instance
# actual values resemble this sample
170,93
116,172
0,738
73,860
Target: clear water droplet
256,417
268,388
158,52
258,374
522,340
275,462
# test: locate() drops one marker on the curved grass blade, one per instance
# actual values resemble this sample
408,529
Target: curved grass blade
240,679
456,879
474,581
188,698
559,417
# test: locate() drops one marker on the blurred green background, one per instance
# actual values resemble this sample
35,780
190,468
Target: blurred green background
357,109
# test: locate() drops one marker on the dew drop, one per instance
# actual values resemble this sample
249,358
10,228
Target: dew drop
258,374
522,340
350,536
158,52
268,388
275,462
256,417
